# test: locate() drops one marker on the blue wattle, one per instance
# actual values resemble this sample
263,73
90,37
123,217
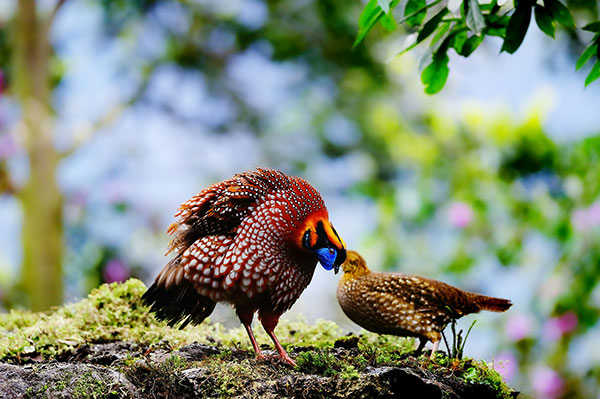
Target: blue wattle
325,257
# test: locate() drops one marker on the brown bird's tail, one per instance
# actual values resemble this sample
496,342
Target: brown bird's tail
492,304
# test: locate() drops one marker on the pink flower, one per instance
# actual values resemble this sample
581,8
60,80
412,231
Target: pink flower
460,214
556,327
547,383
594,214
584,219
115,270
7,146
505,363
78,198
579,220
519,327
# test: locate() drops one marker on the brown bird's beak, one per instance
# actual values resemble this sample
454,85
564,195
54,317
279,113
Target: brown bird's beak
339,259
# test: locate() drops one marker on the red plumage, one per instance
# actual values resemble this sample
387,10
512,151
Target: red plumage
249,241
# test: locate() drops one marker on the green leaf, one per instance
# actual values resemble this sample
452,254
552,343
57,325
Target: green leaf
489,6
384,5
496,25
458,40
368,18
470,45
431,25
388,22
441,34
592,27
517,27
435,75
407,49
586,55
496,20
544,20
413,6
495,31
594,73
560,12
475,20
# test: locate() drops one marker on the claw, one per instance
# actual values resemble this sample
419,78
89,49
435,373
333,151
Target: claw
287,359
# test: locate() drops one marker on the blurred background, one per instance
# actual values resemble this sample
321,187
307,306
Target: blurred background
112,113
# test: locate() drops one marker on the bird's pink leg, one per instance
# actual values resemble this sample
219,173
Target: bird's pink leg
436,345
246,315
269,321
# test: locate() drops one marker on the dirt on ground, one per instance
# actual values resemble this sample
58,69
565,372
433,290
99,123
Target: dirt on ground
128,370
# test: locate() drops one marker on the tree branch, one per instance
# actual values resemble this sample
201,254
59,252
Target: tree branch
52,15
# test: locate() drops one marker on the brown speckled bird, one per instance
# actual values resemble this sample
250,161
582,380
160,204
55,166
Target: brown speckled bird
252,241
404,305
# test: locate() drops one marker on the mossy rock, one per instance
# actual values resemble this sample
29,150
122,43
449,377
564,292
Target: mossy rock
109,346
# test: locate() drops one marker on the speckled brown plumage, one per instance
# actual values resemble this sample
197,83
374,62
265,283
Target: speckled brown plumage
252,241
404,305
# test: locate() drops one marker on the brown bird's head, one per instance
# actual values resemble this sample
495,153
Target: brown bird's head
354,264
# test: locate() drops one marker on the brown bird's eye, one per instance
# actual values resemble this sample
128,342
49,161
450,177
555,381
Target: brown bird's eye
331,251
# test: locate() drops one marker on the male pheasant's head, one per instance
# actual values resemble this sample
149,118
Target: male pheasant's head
319,236
354,264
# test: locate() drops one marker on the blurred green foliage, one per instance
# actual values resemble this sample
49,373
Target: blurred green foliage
463,25
517,184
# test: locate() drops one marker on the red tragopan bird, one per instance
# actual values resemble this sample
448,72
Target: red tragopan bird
252,241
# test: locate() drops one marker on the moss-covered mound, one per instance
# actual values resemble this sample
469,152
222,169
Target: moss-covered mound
109,346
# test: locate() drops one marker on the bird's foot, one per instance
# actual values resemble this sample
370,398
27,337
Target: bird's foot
276,358
260,357
436,345
287,359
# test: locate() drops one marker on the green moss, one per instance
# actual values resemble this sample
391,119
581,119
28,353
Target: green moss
484,373
349,372
159,379
115,313
60,385
388,343
87,386
230,380
110,313
320,362
358,353
469,370
40,392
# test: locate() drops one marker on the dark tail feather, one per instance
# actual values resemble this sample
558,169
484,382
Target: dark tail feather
493,304
181,303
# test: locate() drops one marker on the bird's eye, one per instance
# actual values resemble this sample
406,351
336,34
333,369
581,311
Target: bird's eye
306,239
331,251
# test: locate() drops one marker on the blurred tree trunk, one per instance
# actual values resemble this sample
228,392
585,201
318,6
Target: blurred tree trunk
40,197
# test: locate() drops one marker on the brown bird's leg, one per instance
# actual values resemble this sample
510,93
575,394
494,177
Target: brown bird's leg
269,321
436,344
246,315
